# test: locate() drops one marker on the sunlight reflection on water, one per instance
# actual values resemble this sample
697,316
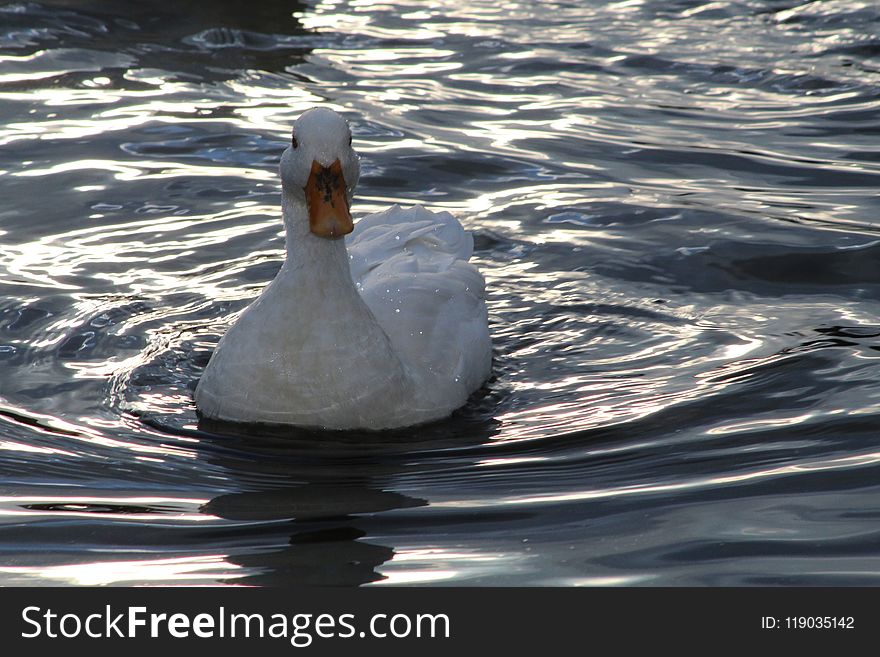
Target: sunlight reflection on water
674,206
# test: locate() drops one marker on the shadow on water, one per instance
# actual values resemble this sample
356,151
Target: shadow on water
329,489
182,16
209,42
325,547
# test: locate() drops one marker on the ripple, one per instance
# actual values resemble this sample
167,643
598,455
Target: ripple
674,206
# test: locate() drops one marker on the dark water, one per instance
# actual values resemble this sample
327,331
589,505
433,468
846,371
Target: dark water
676,209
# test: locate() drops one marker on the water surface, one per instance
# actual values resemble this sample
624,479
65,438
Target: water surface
674,204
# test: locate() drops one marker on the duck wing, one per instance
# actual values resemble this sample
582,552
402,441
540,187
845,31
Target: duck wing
411,268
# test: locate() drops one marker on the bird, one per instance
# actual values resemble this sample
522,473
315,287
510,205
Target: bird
374,326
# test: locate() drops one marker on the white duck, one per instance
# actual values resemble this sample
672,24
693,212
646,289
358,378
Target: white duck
390,332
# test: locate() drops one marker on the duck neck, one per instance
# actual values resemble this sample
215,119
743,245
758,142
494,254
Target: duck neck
319,262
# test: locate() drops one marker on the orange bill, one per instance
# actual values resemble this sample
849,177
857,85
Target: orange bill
328,203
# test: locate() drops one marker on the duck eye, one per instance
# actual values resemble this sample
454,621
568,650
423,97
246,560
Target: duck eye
293,141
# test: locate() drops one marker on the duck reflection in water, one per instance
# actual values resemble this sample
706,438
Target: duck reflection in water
328,495
325,547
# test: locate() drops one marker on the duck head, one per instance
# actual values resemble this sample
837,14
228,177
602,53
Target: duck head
320,170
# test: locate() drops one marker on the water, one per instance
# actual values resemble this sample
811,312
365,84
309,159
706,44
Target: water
675,206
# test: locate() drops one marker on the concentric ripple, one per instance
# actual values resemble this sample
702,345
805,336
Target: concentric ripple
674,205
